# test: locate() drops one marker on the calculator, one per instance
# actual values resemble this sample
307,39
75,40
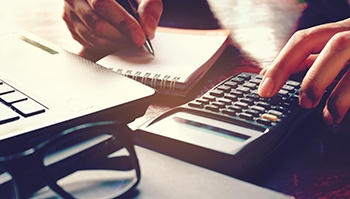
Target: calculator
228,129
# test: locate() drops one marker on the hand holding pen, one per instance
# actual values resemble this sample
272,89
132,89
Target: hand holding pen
131,7
104,26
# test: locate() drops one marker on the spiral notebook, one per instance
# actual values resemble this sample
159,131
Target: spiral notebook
182,57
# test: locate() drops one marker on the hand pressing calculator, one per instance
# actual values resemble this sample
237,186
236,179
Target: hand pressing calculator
230,128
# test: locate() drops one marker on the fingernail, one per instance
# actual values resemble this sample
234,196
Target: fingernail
305,100
328,118
150,26
263,71
266,87
138,37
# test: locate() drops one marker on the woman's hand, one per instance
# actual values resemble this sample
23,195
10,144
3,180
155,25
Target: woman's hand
104,26
325,50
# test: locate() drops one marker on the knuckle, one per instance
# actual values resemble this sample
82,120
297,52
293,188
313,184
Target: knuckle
158,7
125,25
92,21
156,3
98,28
97,4
91,37
65,16
301,35
340,41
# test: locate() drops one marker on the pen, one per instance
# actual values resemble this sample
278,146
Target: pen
133,5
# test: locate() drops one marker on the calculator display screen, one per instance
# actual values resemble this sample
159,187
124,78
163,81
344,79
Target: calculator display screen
195,125
203,131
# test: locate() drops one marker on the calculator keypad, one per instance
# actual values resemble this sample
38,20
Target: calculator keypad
236,98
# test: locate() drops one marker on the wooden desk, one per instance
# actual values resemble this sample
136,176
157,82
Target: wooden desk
314,164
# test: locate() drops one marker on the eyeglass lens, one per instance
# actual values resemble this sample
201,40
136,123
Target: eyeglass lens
84,166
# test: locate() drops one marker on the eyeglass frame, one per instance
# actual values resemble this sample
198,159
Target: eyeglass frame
36,154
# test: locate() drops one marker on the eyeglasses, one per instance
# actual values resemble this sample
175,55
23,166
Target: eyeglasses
94,160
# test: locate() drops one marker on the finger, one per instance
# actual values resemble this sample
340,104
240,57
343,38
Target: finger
94,40
97,26
306,64
119,18
325,69
338,102
263,71
294,53
150,12
74,25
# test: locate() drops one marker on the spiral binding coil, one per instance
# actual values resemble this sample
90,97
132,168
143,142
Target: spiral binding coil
165,83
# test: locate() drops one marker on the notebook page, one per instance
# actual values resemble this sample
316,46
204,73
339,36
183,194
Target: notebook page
178,53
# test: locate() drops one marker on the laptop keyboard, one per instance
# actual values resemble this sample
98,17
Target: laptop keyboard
15,105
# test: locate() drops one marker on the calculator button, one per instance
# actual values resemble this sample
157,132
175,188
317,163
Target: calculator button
255,92
245,116
263,99
264,121
231,84
272,118
241,104
244,76
293,83
249,85
235,108
231,97
224,88
280,109
212,108
252,112
238,80
255,81
283,92
244,90
195,104
288,88
237,93
286,104
229,112
247,100
263,104
217,93
202,101
258,108
218,104
225,101
209,98
259,76
276,113
253,96
237,98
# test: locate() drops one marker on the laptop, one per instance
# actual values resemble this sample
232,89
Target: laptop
45,89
